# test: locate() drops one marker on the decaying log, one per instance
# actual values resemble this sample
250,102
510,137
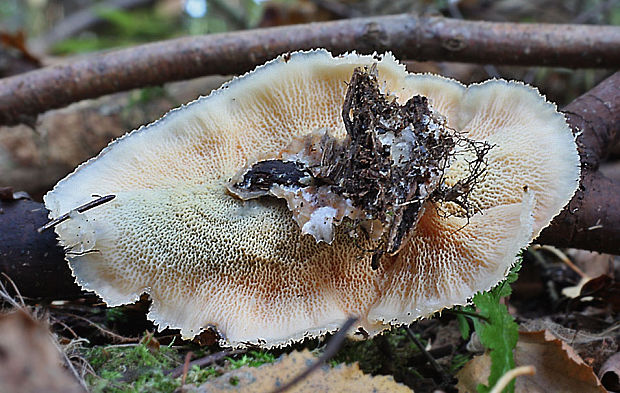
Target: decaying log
24,96
591,221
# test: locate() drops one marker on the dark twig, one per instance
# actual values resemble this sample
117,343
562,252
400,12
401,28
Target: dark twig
470,314
435,353
333,346
438,369
188,356
423,350
24,96
80,209
212,358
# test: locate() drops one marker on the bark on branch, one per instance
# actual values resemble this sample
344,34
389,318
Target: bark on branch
24,96
591,221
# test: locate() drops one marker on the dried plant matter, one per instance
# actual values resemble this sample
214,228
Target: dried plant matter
380,175
30,356
558,367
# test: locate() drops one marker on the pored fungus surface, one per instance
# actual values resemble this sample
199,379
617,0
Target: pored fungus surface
291,250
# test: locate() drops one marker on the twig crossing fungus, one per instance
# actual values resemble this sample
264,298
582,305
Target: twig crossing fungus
403,194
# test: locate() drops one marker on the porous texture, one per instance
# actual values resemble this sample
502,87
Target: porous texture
243,267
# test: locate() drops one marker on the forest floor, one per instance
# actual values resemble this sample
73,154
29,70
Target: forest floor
566,309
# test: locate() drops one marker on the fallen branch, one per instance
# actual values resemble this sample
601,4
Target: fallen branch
204,361
591,221
24,96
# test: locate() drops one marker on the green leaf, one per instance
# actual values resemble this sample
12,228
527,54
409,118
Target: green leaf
463,326
499,334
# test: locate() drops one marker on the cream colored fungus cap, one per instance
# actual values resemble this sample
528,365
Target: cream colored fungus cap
210,260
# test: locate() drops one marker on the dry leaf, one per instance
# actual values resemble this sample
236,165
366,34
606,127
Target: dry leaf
558,367
475,371
17,41
593,347
29,360
604,288
266,378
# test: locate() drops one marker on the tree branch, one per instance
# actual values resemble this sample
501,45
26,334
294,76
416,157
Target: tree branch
591,220
24,96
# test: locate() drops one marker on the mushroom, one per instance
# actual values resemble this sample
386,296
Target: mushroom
209,259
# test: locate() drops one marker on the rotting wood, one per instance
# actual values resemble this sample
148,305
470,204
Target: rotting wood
23,97
591,220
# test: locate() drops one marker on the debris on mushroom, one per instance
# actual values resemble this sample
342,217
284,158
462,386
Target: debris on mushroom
184,220
390,163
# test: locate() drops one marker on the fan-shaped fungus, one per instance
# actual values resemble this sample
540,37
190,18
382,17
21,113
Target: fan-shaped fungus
180,230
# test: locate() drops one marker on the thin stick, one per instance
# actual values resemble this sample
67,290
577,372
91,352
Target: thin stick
562,257
214,357
80,209
188,356
468,313
427,355
104,331
332,349
510,375
4,293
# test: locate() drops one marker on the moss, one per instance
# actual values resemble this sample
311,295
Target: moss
198,376
142,96
252,359
115,314
132,369
140,368
123,28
